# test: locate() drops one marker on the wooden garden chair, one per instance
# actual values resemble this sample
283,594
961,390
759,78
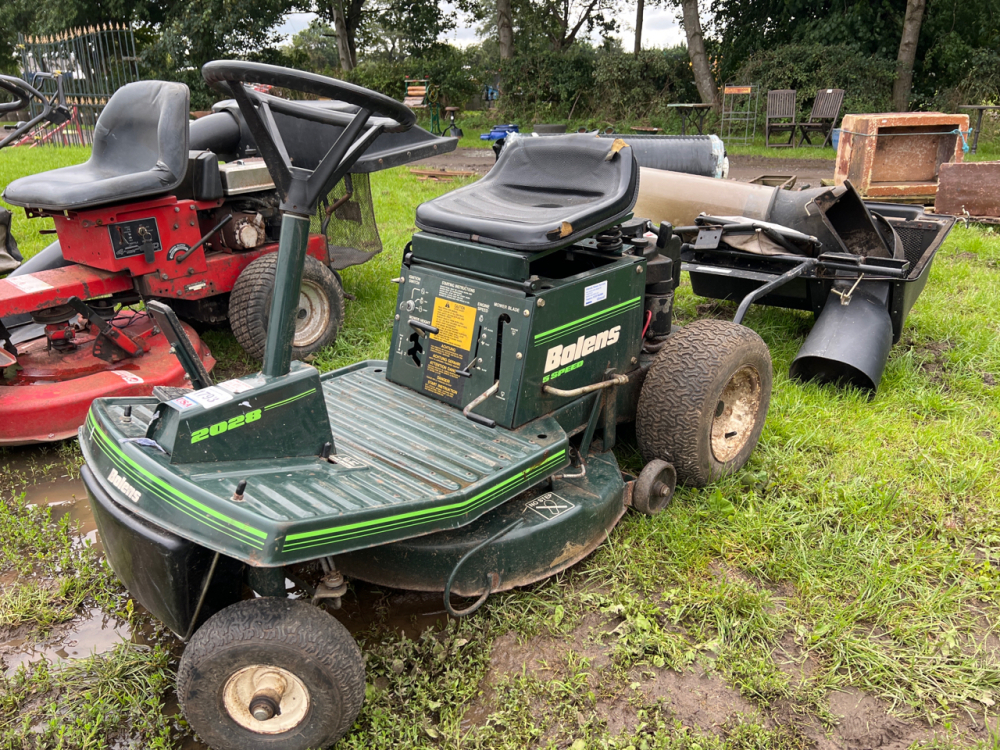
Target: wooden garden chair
781,110
823,118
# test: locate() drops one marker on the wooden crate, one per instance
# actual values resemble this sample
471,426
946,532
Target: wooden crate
897,156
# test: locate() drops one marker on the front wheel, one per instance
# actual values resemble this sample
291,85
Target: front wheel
704,401
319,317
271,673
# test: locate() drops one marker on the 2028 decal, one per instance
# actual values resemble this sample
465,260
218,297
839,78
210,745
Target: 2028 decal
219,427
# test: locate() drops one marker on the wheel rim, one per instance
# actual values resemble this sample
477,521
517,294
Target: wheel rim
736,414
313,316
270,684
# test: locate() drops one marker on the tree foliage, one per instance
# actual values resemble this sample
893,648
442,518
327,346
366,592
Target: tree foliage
951,31
549,24
396,29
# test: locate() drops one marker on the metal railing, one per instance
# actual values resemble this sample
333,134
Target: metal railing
90,64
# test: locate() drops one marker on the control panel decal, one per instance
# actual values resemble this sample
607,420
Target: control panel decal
455,323
441,376
137,237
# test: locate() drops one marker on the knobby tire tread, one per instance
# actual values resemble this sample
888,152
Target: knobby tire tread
298,625
671,410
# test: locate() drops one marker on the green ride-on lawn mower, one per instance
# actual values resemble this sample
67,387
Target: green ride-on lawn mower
533,316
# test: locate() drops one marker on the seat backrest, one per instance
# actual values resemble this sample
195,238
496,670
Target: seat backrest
780,104
827,104
144,127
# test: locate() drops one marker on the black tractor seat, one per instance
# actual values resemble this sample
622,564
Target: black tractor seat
543,193
140,150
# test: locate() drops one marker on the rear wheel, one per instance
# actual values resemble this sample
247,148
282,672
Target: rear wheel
271,673
320,314
704,401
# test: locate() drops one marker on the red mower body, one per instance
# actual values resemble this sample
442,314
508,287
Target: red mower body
165,209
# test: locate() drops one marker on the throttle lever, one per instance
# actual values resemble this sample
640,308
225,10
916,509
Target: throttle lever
466,372
478,418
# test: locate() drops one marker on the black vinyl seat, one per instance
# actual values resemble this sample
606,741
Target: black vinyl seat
140,150
543,193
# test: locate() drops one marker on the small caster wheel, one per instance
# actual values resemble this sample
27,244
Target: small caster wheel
654,488
271,673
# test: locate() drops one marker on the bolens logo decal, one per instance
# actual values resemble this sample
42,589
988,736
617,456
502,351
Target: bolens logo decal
123,486
560,356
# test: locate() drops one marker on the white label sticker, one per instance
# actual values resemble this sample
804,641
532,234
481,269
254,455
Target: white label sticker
595,293
28,283
712,269
349,462
549,506
236,386
183,403
210,396
128,377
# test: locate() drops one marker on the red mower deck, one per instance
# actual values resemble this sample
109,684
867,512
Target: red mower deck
48,399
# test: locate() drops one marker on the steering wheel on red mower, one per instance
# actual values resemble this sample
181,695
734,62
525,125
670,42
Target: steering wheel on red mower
301,189
54,109
16,88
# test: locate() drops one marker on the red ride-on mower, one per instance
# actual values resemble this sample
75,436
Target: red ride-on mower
184,212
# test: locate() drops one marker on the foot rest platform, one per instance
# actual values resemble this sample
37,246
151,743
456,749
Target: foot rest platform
404,466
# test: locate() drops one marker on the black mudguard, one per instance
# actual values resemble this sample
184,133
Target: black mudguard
162,571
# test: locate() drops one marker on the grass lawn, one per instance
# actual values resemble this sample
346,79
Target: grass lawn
842,591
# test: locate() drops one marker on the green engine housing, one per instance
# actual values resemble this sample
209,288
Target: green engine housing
567,319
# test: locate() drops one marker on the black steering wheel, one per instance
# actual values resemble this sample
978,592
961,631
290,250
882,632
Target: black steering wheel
17,89
300,189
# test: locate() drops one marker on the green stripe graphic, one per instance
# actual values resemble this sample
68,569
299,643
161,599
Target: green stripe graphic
596,317
289,400
366,528
187,505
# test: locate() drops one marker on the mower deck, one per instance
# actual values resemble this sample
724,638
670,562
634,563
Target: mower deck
49,393
404,466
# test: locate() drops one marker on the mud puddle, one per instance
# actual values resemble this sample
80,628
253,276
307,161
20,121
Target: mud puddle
66,497
90,634
407,613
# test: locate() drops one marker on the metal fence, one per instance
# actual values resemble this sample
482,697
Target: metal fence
92,63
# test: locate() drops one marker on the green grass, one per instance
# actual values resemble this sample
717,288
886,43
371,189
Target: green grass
862,541
22,161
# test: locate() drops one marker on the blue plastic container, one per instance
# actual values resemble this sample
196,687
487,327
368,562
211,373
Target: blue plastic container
499,131
836,139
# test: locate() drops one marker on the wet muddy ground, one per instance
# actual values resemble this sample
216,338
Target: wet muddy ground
694,697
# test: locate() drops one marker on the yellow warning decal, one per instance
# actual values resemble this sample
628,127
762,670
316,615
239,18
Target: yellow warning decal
455,323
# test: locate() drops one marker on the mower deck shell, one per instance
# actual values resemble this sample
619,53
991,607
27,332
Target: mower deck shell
54,408
404,466
534,536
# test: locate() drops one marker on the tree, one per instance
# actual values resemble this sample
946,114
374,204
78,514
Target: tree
638,26
404,28
505,29
346,17
552,24
907,54
315,48
563,20
703,77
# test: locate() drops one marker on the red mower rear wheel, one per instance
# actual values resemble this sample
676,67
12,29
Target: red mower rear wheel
320,313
